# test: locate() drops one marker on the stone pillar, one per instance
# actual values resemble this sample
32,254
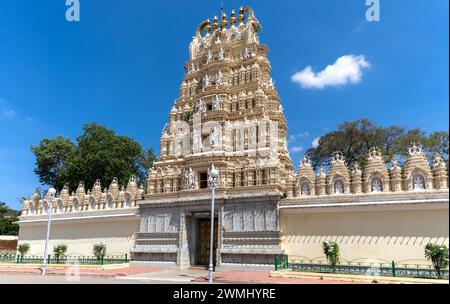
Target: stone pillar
356,180
183,261
396,177
320,182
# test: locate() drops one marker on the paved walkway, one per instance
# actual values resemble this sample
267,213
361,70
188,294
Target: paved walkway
261,278
147,274
201,276
83,271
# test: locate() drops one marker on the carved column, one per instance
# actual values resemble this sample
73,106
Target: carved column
356,180
320,182
396,177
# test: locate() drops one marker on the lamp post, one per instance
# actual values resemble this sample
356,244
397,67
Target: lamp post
51,192
212,180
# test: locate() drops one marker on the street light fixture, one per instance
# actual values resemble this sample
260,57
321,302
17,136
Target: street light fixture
51,192
213,175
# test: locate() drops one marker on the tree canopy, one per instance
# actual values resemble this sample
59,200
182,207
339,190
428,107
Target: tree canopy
7,217
97,154
355,138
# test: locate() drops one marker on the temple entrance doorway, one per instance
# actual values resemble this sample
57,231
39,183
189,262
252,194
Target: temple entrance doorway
204,236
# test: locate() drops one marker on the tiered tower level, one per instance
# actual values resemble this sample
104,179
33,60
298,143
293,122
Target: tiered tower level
228,114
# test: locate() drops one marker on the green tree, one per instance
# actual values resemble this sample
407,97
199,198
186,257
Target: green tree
331,251
99,250
53,158
355,138
97,154
437,143
7,218
23,249
59,251
438,254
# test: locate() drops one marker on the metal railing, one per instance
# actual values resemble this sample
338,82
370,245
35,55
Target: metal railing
69,259
393,269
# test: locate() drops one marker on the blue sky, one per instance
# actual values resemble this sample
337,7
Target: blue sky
122,65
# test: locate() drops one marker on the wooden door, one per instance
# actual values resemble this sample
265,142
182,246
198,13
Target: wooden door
204,232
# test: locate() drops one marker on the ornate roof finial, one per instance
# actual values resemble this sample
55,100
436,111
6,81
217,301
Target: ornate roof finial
395,167
375,153
338,157
321,171
415,150
97,183
233,19
305,162
438,161
356,169
215,23
241,15
207,27
224,21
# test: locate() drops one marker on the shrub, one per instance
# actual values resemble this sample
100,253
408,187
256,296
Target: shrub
99,250
23,249
331,251
59,251
438,254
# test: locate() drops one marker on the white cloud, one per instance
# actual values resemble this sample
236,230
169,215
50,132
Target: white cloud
315,142
294,137
347,69
9,113
29,119
296,149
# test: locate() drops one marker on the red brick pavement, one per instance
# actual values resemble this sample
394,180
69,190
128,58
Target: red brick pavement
83,271
223,277
262,278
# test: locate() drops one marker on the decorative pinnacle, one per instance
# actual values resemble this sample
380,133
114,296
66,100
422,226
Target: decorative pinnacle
241,16
233,18
215,23
207,27
224,21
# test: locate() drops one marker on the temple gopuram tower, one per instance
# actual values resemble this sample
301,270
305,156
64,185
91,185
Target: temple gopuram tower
228,114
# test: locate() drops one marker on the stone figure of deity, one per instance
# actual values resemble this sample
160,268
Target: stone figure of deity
206,81
209,57
216,103
201,106
219,79
214,137
221,54
190,176
196,139
247,53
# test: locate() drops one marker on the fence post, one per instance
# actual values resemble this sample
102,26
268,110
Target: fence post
393,269
286,262
48,260
18,257
101,259
126,258
276,263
